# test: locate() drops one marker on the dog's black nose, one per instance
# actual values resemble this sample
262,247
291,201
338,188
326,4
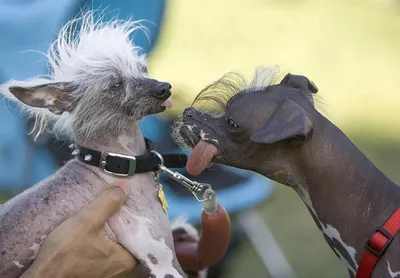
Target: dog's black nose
162,90
188,112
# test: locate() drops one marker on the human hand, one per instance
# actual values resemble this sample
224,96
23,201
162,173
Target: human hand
79,247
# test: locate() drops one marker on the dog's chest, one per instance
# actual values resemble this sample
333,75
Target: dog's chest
142,226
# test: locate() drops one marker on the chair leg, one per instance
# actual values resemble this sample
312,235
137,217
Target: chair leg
265,245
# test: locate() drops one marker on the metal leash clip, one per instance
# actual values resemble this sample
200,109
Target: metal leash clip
197,189
201,191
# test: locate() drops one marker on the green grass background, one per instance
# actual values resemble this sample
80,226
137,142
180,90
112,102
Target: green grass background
350,49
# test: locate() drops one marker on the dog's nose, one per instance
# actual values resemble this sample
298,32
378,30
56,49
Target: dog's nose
162,90
188,112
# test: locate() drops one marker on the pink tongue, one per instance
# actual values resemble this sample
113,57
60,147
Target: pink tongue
167,104
200,158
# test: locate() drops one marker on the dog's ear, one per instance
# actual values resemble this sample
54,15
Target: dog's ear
55,97
299,81
289,122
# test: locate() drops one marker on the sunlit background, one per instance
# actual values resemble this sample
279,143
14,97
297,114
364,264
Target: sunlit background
349,49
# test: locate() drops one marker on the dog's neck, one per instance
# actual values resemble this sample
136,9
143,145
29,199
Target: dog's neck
128,142
347,196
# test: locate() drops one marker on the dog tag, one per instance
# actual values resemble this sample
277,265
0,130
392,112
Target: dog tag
162,198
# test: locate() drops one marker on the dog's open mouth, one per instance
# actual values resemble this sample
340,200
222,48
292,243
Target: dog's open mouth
152,107
203,152
167,104
163,105
160,107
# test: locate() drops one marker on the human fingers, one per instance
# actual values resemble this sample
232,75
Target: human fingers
106,204
125,262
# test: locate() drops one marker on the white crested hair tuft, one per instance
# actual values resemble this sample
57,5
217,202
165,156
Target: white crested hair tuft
80,46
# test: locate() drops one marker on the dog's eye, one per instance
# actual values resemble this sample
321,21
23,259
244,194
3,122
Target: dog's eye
232,125
116,84
144,69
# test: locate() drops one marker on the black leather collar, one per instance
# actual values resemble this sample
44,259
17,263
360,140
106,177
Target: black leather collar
123,165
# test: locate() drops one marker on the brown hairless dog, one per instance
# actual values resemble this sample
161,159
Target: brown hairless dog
276,131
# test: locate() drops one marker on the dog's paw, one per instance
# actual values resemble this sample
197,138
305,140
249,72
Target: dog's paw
183,231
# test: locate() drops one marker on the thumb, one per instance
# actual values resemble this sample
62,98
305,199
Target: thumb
106,204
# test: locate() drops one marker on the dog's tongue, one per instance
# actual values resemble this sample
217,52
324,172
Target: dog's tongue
167,103
200,158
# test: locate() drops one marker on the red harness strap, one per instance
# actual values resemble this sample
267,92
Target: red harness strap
377,244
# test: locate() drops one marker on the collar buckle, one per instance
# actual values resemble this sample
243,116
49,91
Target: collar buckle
132,164
378,247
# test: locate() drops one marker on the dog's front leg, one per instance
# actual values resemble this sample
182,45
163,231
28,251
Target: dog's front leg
149,239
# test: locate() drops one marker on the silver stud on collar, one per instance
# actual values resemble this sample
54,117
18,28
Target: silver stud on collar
88,157
75,152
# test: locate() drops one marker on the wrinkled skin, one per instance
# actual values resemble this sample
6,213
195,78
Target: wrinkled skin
277,132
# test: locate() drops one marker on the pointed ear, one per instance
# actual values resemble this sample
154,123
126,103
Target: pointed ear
299,81
289,122
55,97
